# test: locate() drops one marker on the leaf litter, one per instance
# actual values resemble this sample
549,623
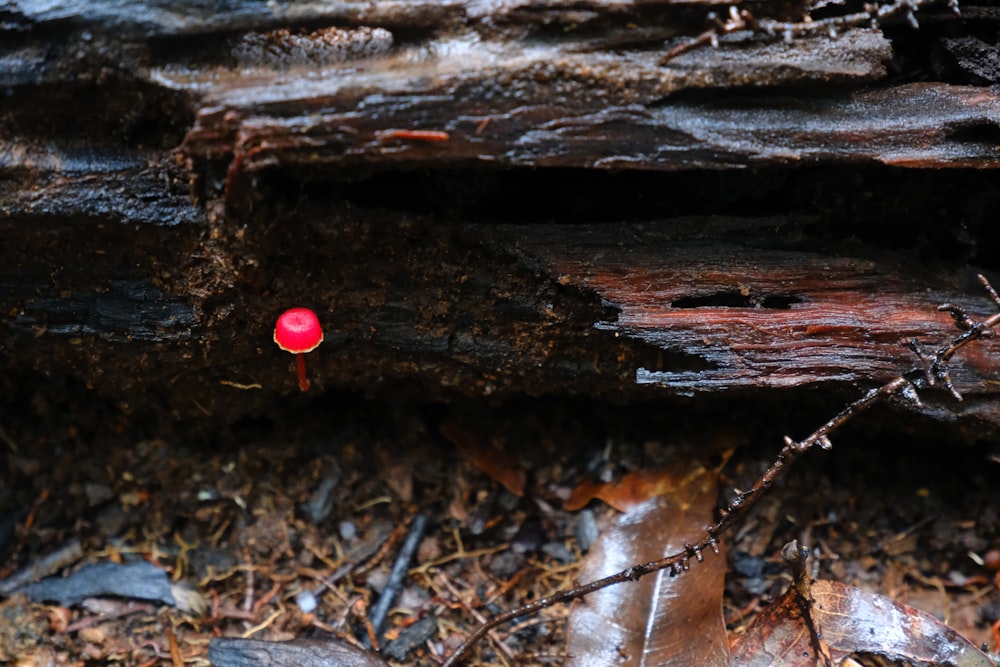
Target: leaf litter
852,622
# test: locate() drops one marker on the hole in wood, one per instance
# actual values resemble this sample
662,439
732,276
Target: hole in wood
983,132
736,300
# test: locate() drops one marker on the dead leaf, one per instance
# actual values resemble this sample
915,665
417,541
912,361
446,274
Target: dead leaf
626,493
488,457
660,620
850,622
634,487
235,652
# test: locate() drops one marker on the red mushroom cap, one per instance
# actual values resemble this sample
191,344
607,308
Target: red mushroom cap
298,331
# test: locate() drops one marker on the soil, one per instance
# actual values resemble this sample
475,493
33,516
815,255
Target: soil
312,501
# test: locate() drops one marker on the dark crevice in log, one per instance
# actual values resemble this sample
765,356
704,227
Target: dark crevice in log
948,48
865,205
120,112
743,299
977,132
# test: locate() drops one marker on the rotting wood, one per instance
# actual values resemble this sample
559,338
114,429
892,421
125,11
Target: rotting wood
110,265
482,310
526,103
760,316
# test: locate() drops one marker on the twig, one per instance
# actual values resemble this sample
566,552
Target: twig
176,658
741,19
906,385
369,640
67,554
129,608
265,623
371,561
392,587
502,648
248,592
268,596
795,558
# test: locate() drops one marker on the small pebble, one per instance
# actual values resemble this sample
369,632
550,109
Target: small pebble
306,601
207,495
411,597
558,551
505,564
347,530
411,637
320,503
586,529
377,579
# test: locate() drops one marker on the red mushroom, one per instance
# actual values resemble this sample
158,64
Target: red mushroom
298,331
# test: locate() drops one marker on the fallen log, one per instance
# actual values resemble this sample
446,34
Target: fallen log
173,179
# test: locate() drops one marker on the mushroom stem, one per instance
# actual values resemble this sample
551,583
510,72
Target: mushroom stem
300,361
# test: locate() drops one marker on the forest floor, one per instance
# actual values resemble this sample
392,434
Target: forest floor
288,526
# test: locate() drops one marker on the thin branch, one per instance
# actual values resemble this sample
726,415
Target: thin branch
795,558
741,19
395,583
930,371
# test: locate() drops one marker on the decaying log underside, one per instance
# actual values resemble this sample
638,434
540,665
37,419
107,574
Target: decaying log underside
150,240
759,315
432,311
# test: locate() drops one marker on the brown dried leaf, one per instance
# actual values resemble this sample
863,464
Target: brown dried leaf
660,620
635,488
624,494
488,457
851,621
